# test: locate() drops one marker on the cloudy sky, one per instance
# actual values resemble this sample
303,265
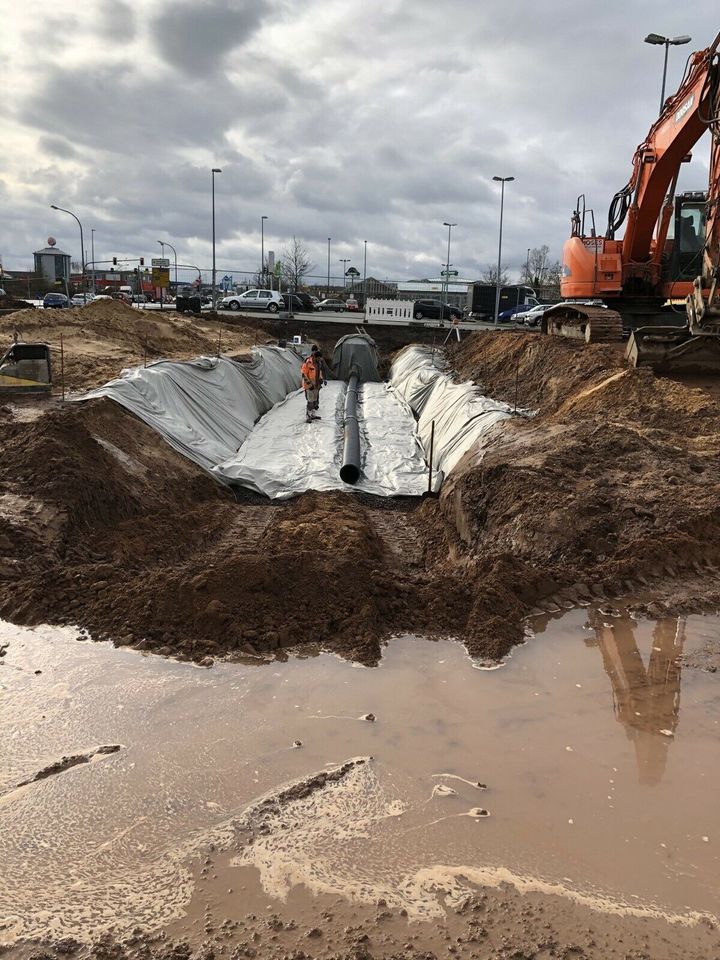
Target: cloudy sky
371,121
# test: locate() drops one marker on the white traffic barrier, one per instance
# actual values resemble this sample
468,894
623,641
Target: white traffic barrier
389,309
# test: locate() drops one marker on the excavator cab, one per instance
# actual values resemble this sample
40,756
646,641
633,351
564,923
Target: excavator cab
686,248
25,368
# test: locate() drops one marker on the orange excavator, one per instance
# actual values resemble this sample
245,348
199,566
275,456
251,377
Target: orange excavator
633,284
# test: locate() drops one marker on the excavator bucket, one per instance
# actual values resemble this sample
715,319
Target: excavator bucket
674,350
25,369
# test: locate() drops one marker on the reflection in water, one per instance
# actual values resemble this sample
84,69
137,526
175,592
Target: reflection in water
646,699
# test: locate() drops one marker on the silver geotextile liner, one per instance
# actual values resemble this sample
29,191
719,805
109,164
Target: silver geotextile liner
462,416
245,424
205,408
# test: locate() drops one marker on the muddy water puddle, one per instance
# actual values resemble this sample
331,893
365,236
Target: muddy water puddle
588,766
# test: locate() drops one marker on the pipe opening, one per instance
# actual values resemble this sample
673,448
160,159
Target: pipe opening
349,473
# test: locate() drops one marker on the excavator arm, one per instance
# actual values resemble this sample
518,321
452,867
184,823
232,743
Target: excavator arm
694,109
647,200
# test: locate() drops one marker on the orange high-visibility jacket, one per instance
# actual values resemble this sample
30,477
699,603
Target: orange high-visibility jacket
310,373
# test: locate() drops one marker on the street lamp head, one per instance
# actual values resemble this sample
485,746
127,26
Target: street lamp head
216,170
679,41
655,38
503,179
263,218
53,207
446,224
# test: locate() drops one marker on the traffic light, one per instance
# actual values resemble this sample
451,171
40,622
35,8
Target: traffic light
114,261
142,261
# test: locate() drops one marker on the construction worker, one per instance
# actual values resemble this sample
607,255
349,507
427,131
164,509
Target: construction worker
312,379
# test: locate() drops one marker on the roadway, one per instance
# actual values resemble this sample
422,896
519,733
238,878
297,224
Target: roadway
349,318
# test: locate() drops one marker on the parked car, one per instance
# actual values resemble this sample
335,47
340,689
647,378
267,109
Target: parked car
352,304
435,310
55,301
532,317
253,300
80,299
331,304
509,315
300,301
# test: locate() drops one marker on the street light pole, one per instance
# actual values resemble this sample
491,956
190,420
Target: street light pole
82,242
365,277
327,289
214,290
667,42
92,254
168,244
502,181
262,248
527,267
344,262
447,268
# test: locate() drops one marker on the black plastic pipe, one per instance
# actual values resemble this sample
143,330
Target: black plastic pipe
350,469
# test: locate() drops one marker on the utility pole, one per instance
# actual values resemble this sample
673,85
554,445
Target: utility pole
327,289
92,254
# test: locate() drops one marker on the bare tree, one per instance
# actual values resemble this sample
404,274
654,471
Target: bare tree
296,263
490,275
539,270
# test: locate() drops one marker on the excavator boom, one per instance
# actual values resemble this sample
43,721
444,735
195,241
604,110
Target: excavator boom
637,274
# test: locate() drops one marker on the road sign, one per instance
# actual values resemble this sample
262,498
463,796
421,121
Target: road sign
161,263
449,273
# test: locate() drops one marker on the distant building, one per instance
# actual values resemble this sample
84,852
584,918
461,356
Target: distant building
381,289
52,264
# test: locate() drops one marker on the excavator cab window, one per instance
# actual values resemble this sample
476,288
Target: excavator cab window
689,237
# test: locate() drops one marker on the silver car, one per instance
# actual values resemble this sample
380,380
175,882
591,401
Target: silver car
253,300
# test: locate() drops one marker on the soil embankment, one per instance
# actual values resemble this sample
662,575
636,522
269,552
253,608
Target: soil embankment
612,486
103,337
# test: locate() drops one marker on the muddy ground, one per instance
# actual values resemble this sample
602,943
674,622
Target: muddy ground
613,485
102,338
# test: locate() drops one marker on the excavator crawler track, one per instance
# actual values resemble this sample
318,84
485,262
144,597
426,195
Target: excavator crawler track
580,322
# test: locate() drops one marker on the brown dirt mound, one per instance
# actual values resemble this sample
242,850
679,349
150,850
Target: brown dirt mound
12,303
614,483
105,336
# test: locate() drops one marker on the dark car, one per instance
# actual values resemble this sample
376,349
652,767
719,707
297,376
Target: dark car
435,310
300,301
55,301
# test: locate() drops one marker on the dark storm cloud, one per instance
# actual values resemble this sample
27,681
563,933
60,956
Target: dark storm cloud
378,126
193,37
56,146
127,108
